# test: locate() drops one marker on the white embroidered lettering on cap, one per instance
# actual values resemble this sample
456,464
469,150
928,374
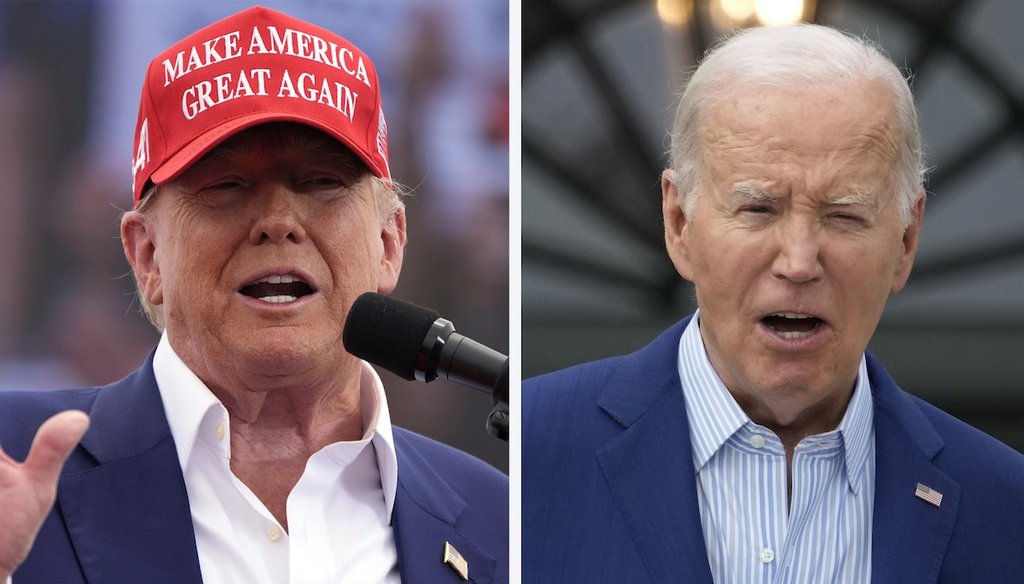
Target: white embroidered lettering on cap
211,54
206,94
142,152
300,85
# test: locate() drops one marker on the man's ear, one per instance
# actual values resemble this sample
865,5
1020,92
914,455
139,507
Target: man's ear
908,243
393,236
676,222
140,250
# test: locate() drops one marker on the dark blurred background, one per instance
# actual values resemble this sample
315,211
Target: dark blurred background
70,77
599,79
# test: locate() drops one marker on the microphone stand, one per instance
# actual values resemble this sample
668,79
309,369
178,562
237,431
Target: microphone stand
497,420
437,358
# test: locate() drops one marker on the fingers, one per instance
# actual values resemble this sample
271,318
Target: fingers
53,443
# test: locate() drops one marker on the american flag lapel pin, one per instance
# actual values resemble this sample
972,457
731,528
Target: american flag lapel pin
928,494
453,558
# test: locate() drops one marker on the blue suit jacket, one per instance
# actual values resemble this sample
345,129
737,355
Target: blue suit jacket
122,512
609,490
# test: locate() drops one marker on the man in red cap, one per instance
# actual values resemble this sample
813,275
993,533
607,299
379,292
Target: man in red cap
250,447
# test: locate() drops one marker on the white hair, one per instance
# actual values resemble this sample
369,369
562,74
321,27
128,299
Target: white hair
785,56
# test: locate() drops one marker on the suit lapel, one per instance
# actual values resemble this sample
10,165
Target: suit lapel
425,517
128,516
909,535
649,466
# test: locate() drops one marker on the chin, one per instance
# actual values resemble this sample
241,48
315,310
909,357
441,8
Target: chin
283,356
791,381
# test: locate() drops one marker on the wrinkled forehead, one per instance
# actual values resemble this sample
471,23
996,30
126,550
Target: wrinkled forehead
854,118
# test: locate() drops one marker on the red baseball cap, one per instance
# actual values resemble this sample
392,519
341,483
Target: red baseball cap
256,66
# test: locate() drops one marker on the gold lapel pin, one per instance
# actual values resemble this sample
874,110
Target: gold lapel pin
928,494
453,558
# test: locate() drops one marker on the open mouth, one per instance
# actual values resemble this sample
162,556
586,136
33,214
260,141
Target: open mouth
792,325
278,289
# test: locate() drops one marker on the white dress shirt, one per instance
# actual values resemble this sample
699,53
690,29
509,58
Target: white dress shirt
339,513
753,531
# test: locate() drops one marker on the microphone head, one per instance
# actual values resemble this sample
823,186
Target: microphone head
388,332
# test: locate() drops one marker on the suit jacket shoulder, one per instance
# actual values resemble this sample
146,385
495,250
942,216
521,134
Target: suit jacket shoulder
22,412
118,484
447,496
608,488
588,395
971,534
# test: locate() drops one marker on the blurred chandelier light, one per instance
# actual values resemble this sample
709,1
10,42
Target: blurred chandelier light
721,16
674,12
776,12
738,10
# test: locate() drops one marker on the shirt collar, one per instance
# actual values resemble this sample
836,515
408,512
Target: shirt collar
714,416
188,401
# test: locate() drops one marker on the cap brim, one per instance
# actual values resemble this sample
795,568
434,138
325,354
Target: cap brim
207,141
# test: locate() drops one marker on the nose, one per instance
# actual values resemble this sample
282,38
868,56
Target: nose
278,217
798,258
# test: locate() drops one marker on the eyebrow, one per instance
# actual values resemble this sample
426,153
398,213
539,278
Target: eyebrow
858,198
758,195
752,193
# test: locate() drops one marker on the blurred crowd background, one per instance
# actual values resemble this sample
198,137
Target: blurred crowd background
70,77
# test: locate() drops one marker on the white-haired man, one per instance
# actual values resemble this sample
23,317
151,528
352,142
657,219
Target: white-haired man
250,447
755,441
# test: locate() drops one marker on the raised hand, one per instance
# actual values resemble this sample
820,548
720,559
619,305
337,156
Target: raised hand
28,489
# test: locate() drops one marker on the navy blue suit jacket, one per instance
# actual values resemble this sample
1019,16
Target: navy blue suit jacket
609,490
122,512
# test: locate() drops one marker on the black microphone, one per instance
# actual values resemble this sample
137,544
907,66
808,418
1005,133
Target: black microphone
415,343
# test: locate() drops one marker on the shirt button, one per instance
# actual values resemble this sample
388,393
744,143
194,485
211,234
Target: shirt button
274,533
757,441
220,431
767,555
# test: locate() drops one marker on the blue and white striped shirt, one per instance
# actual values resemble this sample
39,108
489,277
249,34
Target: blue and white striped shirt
752,533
